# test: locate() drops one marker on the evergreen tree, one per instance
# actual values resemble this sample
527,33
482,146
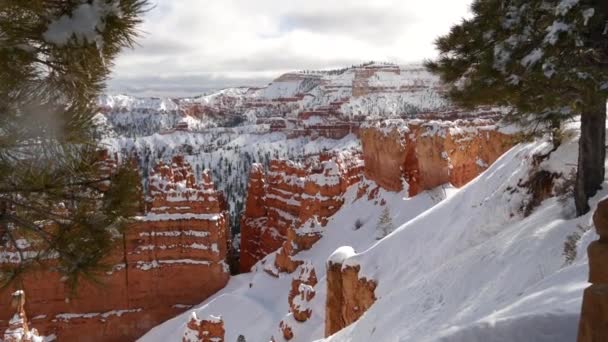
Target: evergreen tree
545,59
385,223
54,59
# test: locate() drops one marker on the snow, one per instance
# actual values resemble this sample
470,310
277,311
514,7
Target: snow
148,265
175,217
565,6
554,30
175,233
85,23
532,58
341,254
70,316
588,14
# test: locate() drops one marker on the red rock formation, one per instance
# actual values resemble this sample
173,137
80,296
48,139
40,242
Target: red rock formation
170,258
593,325
286,330
289,195
427,154
302,292
210,329
348,295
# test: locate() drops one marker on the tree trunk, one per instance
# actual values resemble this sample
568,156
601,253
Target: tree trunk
591,154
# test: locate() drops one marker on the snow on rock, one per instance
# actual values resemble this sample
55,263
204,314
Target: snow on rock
341,254
210,329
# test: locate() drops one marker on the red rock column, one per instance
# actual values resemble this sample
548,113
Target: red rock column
593,325
348,296
254,219
334,321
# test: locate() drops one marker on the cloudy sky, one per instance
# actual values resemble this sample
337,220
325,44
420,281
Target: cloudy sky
192,46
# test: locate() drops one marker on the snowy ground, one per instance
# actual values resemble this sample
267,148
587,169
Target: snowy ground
464,265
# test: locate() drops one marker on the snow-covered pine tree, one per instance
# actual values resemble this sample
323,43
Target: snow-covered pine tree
546,59
385,223
53,194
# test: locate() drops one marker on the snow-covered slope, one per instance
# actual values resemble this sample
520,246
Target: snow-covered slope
464,265
253,304
473,269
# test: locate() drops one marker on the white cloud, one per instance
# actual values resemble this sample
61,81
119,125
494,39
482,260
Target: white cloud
232,42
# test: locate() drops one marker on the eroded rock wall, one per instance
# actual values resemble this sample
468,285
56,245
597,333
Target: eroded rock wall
426,154
171,257
291,203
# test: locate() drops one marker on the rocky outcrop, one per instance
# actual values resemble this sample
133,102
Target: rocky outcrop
593,325
426,154
288,206
210,329
348,295
170,258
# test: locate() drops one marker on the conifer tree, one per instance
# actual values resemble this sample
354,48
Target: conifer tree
545,59
385,223
55,200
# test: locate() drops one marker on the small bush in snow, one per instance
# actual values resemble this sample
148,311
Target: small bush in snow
571,243
385,223
358,224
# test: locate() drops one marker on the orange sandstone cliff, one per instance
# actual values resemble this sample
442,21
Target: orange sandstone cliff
426,154
171,258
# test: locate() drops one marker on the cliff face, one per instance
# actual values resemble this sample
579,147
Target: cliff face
171,258
291,202
424,155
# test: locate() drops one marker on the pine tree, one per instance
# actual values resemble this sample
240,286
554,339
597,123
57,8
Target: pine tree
385,223
54,59
546,59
